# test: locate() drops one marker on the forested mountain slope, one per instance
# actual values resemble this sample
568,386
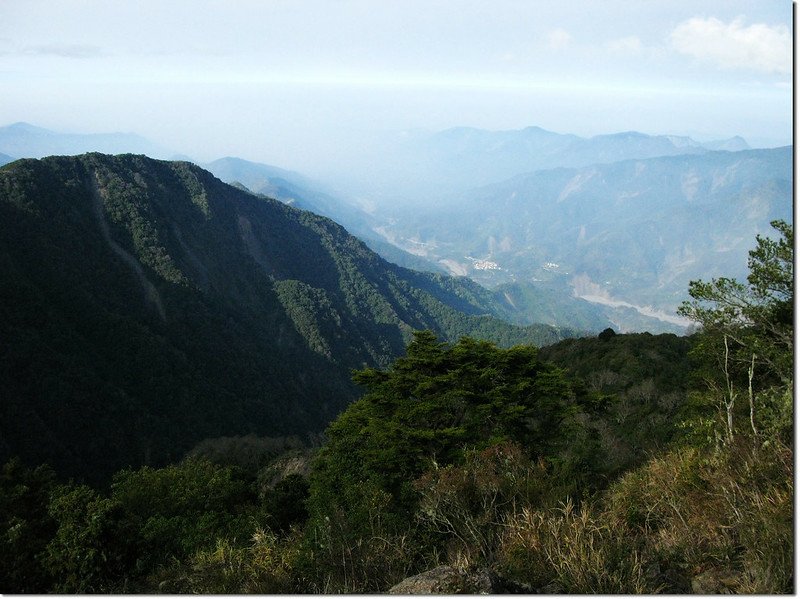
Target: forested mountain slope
145,305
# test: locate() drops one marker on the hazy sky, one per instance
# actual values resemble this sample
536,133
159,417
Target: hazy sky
297,83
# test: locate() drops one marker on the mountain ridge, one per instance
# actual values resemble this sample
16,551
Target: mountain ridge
423,167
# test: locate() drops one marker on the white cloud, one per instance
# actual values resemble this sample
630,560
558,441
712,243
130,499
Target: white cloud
558,38
625,45
733,45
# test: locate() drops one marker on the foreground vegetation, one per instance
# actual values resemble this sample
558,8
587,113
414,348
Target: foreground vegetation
652,464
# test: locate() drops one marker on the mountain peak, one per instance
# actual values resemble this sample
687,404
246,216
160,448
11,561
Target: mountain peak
23,127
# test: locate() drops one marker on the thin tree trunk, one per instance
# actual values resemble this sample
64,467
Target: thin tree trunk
731,393
750,373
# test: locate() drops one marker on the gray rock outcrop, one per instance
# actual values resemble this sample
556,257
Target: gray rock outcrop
446,580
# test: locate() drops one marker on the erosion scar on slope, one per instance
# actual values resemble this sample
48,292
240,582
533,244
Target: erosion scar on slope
151,294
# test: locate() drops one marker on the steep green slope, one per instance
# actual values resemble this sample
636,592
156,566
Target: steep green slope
524,303
145,305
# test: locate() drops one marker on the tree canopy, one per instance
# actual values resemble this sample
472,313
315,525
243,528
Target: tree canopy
747,345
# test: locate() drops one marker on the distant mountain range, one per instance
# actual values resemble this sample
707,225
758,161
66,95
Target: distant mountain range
22,140
630,233
427,168
145,306
477,157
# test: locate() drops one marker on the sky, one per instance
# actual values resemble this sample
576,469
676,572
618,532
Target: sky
309,84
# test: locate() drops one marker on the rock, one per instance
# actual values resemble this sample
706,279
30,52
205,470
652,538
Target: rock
446,580
551,589
714,581
668,580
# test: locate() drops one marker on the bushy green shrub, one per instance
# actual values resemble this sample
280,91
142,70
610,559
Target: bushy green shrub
182,508
26,527
96,544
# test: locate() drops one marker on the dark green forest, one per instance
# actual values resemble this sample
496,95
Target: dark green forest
174,348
